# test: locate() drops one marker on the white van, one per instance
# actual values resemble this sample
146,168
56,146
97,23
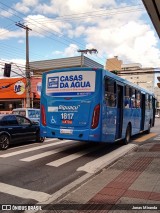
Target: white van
31,113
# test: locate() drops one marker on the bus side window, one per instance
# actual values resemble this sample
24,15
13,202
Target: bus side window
133,98
151,106
147,101
110,96
138,99
127,97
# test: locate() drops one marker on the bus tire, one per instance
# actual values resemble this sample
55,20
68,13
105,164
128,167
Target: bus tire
127,136
41,140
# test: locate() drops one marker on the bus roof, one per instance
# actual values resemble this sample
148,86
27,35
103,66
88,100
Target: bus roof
108,73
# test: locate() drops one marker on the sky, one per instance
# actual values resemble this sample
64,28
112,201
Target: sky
59,28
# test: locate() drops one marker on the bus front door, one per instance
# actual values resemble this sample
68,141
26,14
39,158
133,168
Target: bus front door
119,122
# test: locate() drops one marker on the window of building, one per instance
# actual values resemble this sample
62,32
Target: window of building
9,105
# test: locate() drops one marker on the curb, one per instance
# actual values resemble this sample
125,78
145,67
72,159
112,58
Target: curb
92,172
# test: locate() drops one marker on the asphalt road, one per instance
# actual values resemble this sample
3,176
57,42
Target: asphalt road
32,173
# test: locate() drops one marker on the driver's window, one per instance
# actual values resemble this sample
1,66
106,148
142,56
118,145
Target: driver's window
23,121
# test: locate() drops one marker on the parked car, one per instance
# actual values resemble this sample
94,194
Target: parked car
31,113
17,128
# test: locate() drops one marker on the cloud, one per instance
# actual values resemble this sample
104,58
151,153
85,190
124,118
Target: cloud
6,34
6,13
69,7
43,25
25,5
57,52
110,27
70,51
21,41
132,42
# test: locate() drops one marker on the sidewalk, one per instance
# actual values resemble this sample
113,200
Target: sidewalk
132,184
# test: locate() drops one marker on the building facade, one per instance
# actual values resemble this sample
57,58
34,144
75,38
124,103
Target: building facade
133,72
13,93
38,67
113,64
143,77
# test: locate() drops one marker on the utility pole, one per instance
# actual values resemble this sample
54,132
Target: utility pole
28,77
85,52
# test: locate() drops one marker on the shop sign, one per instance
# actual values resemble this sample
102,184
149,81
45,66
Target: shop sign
19,88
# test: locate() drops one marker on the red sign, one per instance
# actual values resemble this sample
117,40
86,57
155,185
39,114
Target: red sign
67,121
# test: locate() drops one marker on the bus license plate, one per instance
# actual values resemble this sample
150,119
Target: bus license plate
67,121
66,131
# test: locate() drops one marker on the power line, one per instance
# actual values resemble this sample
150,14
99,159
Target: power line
71,16
7,61
93,15
43,28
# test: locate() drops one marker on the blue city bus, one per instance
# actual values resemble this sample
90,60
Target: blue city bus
92,104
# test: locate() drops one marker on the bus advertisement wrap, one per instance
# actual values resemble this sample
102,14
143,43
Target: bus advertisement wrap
75,83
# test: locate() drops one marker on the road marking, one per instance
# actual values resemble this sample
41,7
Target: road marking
34,148
71,157
101,162
157,138
24,193
32,144
145,137
60,194
41,155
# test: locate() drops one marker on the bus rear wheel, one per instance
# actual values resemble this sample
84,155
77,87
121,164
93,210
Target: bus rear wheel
127,136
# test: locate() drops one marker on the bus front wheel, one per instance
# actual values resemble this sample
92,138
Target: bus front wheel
128,135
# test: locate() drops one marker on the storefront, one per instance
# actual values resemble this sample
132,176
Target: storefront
13,93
